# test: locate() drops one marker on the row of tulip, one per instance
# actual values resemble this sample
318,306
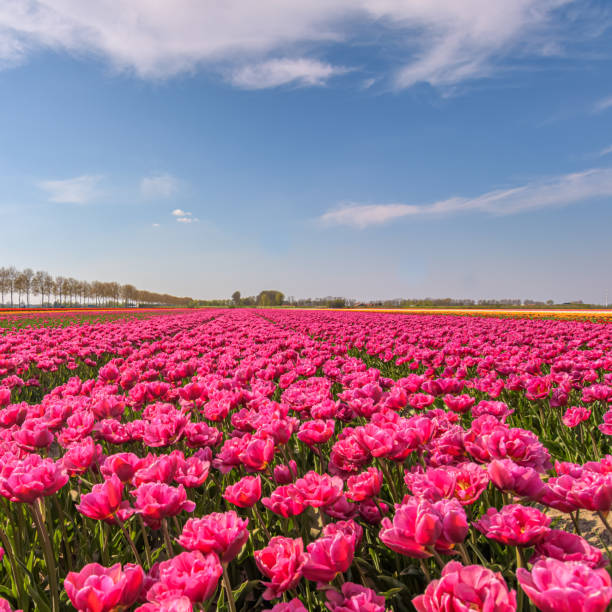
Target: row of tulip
289,461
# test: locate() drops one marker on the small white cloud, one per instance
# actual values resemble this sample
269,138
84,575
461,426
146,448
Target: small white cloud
561,190
77,190
183,216
276,72
155,224
158,186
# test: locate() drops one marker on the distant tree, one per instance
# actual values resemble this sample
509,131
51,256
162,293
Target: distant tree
236,298
270,297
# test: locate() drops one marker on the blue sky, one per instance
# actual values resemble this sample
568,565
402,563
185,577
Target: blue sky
371,149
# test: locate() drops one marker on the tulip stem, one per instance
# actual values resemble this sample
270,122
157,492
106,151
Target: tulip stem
520,592
259,519
425,570
595,450
167,541
464,555
129,540
575,521
145,539
15,569
228,589
604,521
49,556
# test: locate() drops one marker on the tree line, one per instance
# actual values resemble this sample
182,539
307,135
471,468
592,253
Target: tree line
67,291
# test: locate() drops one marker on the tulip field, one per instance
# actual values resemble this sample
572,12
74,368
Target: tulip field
339,461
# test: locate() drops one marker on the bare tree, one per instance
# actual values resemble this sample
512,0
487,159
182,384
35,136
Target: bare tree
12,273
5,282
38,285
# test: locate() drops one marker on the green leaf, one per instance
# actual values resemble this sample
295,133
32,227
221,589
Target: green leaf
246,587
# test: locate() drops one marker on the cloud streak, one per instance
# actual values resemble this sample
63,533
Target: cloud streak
603,104
441,42
158,186
273,73
77,190
562,190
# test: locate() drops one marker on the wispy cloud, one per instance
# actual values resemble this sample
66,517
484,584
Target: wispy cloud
183,216
77,190
606,151
441,42
603,104
273,73
159,186
561,190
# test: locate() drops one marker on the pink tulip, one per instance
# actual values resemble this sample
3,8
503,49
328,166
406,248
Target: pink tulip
5,396
471,587
257,454
245,493
318,490
514,525
508,476
295,605
101,589
221,533
282,561
328,556
316,432
557,586
285,474
415,527
286,501
104,501
575,415
31,478
191,574
565,546
365,485
354,598
156,501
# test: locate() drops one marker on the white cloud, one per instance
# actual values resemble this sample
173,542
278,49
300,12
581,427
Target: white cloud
158,186
182,216
273,73
441,42
557,191
77,190
155,225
